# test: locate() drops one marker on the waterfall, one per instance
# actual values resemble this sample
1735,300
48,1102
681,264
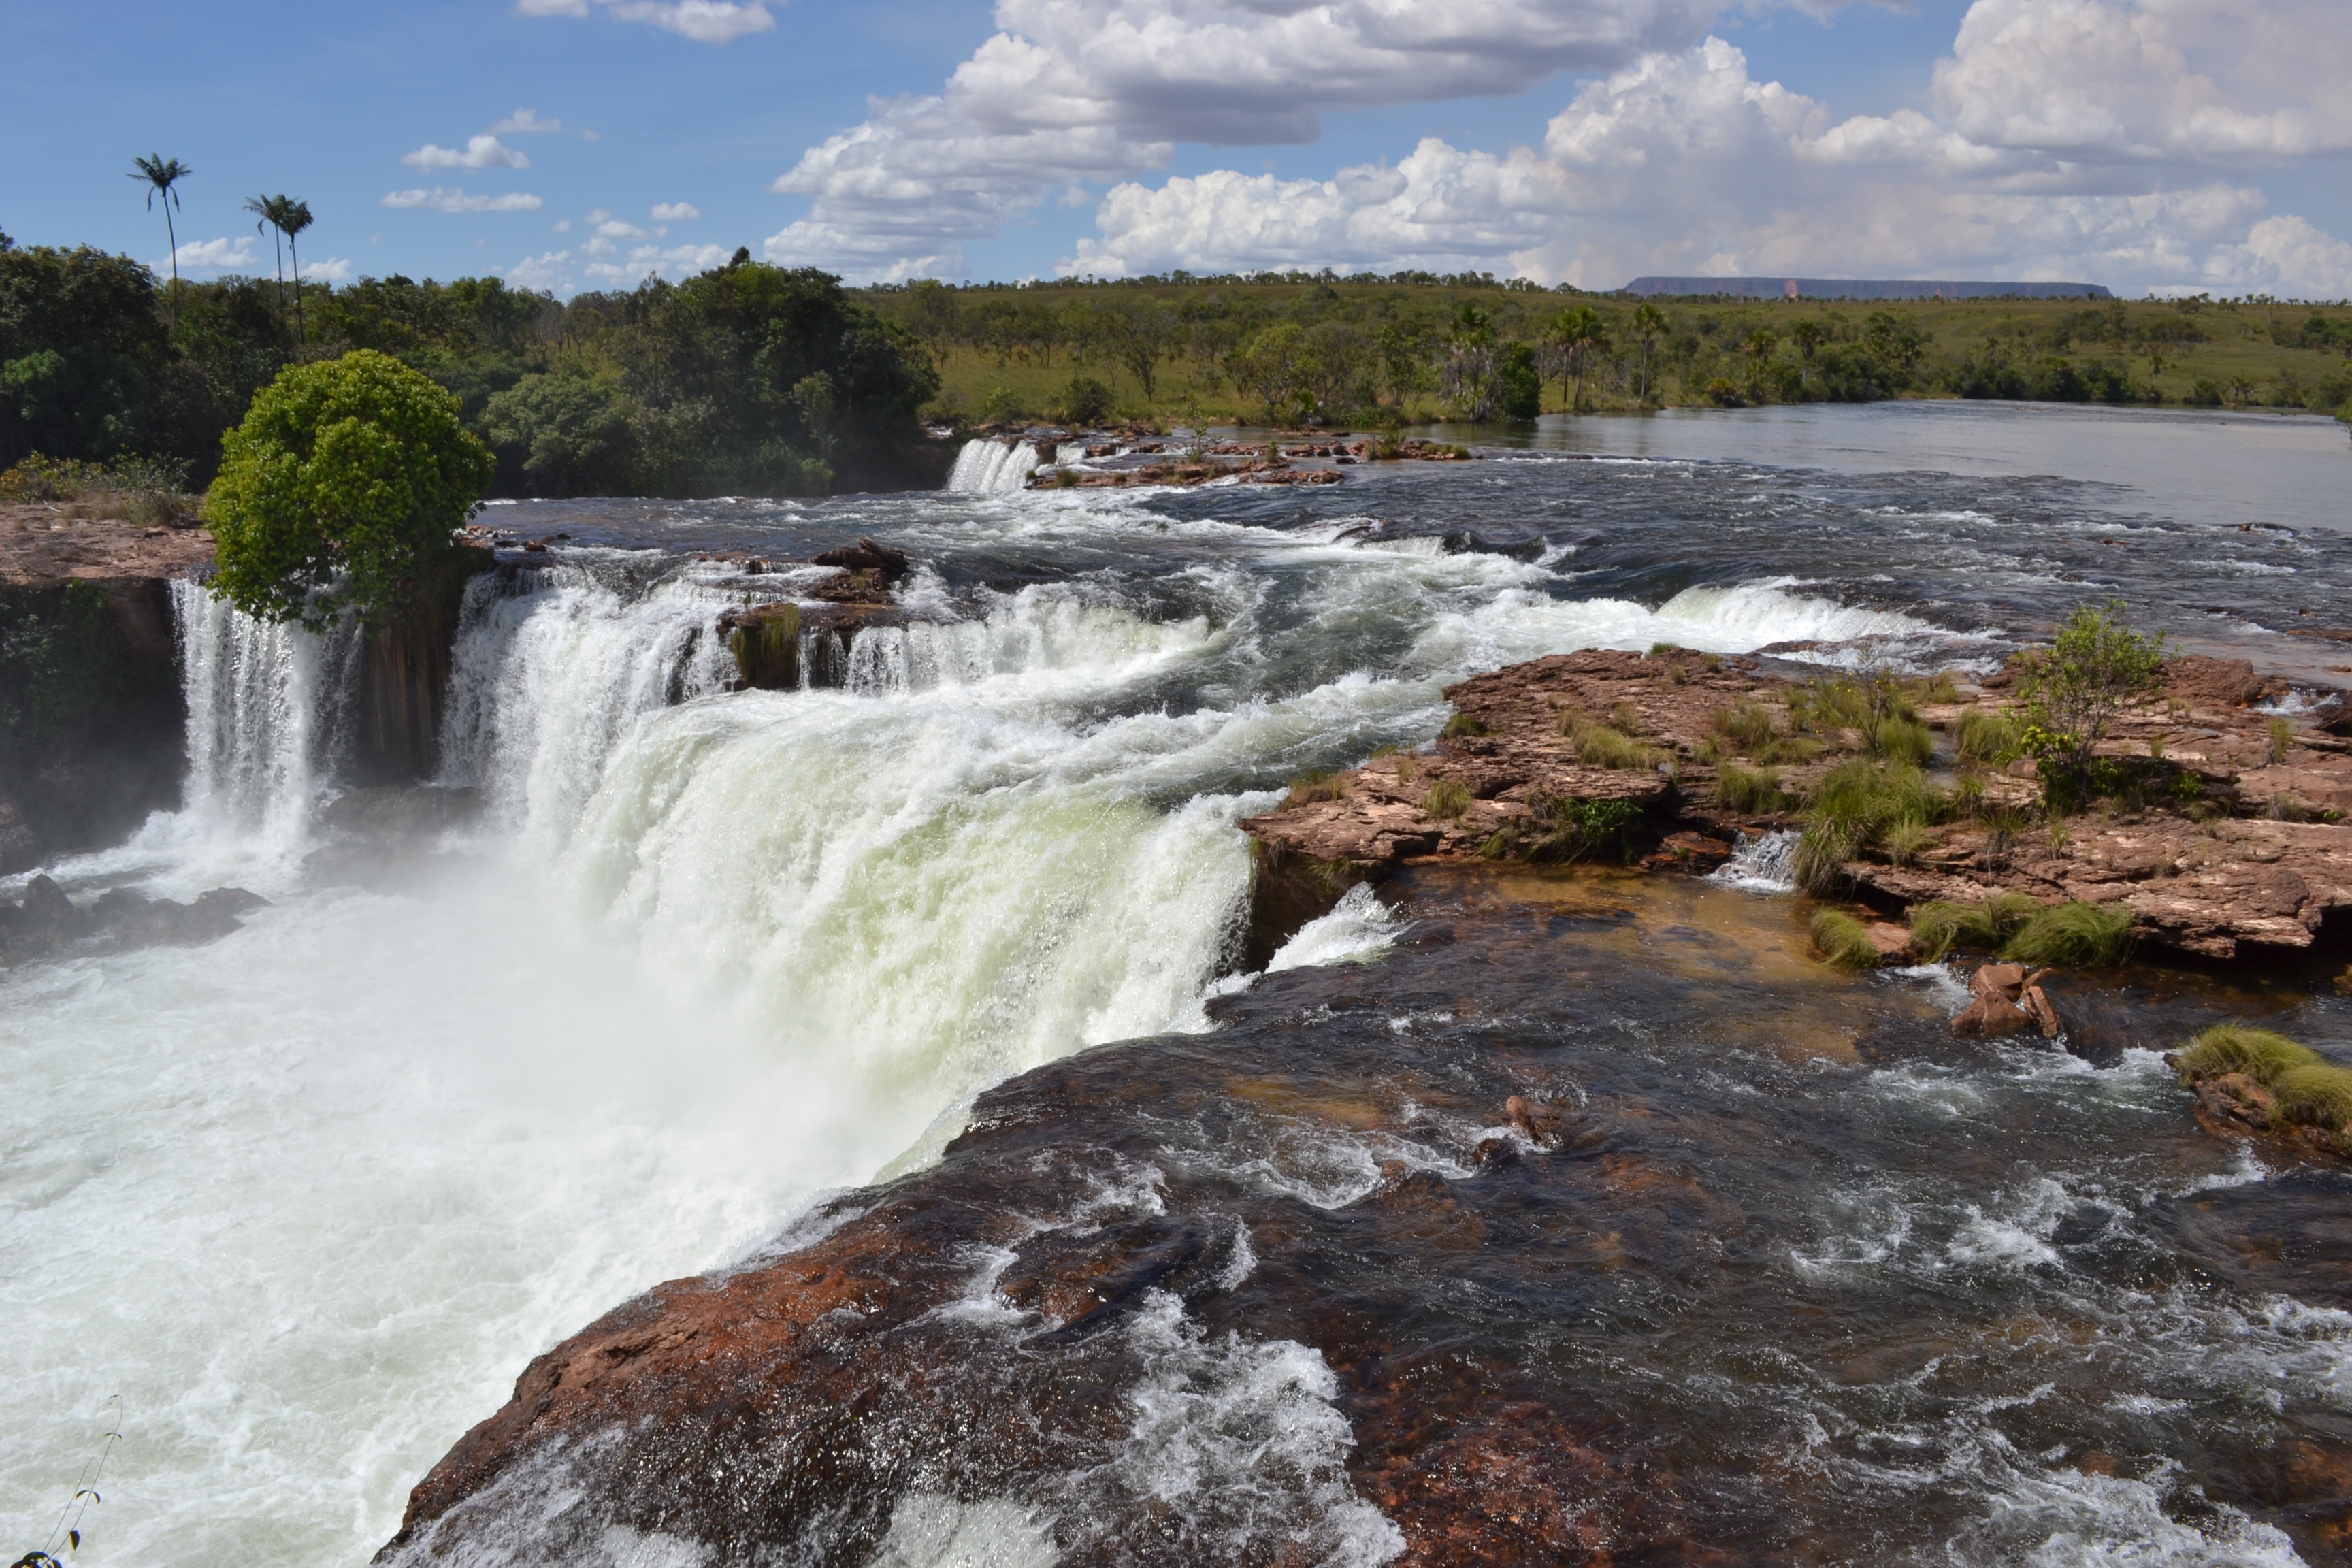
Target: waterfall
269,713
987,466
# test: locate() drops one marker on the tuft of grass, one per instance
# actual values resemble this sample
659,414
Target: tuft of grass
2281,740
1610,829
1625,717
1318,784
1448,798
1786,749
1905,838
1938,689
2316,1093
1842,941
2091,936
1987,740
1753,791
1855,803
1465,724
1900,740
1748,724
1938,926
1601,745
2265,1057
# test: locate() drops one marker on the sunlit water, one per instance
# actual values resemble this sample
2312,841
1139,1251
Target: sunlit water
308,1199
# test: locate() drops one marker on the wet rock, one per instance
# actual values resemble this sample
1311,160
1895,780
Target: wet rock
2002,980
1892,942
2036,1003
1991,1017
1546,1126
890,565
766,643
46,921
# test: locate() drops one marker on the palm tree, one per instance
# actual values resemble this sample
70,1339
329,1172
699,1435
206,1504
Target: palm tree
1758,346
162,173
1649,325
265,212
1579,333
292,217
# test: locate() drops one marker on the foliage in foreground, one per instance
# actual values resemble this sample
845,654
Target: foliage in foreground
1842,941
2094,936
2310,1089
341,491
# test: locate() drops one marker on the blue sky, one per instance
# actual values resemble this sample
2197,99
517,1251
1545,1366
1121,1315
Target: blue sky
2185,144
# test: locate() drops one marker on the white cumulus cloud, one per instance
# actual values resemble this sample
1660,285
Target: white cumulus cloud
676,212
455,200
212,255
479,153
704,21
1680,162
601,263
333,269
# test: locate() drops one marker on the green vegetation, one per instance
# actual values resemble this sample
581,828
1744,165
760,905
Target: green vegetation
1987,740
1317,784
1842,941
141,490
1600,745
1754,791
1573,830
1299,347
1463,724
2310,1089
2084,935
1938,926
1448,798
1747,724
1857,803
746,380
2096,668
341,491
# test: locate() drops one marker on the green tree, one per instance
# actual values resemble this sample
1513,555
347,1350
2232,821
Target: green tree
568,431
265,216
2096,666
292,217
161,174
341,491
1581,332
1649,325
1518,390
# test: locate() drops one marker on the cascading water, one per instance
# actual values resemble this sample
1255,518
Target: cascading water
268,709
988,467
310,1198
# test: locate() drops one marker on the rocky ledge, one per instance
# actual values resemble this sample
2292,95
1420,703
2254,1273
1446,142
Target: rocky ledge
45,922
2231,842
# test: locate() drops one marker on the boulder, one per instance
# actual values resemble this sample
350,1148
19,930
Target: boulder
1893,942
2002,980
885,562
1991,1017
2036,1003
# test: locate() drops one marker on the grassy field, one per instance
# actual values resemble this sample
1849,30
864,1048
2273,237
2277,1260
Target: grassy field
1011,351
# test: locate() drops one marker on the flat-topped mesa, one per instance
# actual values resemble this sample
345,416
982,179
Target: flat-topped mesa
2228,839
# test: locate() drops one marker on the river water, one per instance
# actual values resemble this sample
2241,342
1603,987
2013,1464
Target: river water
306,1200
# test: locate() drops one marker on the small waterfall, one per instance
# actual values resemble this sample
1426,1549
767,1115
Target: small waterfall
987,466
269,713
1765,865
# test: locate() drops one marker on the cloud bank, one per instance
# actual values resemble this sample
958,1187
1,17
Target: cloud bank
2117,140
704,21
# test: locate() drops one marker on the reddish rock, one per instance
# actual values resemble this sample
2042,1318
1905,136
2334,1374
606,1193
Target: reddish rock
2002,980
1991,1017
1893,942
2044,1016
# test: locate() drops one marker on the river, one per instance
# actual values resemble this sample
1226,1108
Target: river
308,1199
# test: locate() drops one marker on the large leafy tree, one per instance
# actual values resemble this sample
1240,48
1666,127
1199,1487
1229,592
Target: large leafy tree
341,491
86,363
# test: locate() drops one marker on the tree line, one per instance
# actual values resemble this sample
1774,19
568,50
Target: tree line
746,379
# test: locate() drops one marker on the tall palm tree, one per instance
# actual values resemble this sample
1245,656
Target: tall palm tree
1649,325
162,173
291,218
1580,333
265,212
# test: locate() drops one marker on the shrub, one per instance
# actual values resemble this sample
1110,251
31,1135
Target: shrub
1753,791
1447,798
1575,828
1084,401
1465,724
1938,926
1842,941
1989,739
2094,667
2076,933
1746,724
2265,1057
341,492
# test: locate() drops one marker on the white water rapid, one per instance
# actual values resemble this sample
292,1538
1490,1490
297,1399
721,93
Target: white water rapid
310,1198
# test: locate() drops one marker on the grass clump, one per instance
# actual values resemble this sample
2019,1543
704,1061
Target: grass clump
1903,839
1448,798
1855,804
1573,830
1842,941
1940,925
1318,784
2091,936
1748,725
2318,1094
2281,740
2265,1057
1988,739
1753,791
1600,745
1465,724
1900,739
